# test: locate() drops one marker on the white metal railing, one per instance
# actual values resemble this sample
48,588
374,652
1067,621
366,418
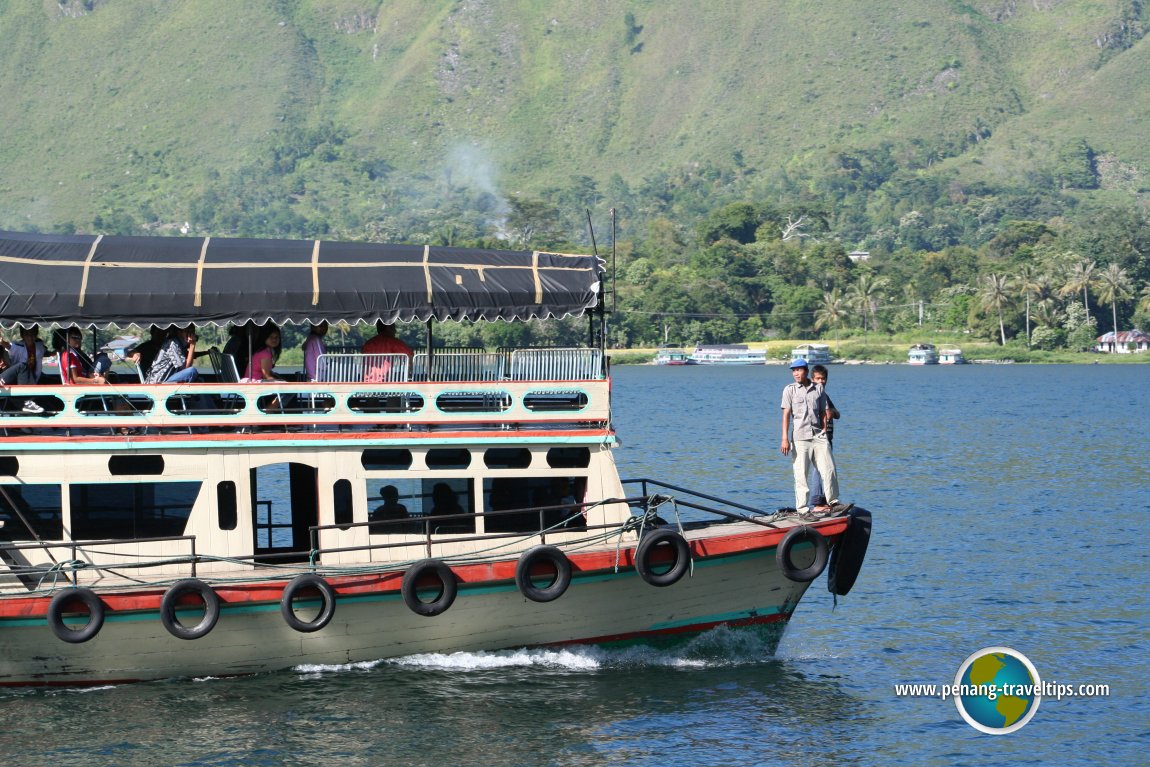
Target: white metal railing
459,366
355,368
556,364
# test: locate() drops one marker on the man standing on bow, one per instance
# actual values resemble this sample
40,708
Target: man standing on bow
805,405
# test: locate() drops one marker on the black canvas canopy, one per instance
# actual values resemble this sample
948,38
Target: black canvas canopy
99,280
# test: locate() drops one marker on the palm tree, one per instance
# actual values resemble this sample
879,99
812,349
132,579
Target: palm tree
865,293
1115,287
1080,277
1144,300
833,312
1028,283
995,294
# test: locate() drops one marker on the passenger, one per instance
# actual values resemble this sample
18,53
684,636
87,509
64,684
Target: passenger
25,363
264,359
241,339
175,362
444,500
819,376
391,508
805,403
385,342
75,367
144,353
313,347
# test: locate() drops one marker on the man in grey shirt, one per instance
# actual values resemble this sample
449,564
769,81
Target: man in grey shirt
805,405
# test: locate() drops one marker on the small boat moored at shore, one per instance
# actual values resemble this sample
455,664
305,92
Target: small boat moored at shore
447,500
812,354
951,356
922,354
672,356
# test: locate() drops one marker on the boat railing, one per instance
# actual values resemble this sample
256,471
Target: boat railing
371,368
473,389
90,556
458,366
506,531
570,364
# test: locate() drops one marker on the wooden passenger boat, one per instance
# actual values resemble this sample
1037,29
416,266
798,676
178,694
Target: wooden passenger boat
145,536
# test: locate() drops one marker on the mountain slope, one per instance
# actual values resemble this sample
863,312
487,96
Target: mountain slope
137,106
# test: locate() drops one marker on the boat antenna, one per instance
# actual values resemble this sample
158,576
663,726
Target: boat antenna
602,311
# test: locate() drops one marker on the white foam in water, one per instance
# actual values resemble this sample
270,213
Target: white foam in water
717,648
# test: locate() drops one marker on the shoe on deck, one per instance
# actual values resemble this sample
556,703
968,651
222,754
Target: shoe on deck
32,407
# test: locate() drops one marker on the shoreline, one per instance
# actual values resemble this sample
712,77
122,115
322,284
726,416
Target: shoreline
894,352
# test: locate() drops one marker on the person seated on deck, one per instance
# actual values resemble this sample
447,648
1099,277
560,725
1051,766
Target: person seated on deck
175,363
261,367
23,364
241,339
75,367
385,342
175,360
313,347
144,353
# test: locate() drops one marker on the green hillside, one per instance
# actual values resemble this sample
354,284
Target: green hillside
137,108
988,154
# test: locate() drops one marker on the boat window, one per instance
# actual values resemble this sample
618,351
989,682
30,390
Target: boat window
396,506
569,457
511,504
295,402
9,466
386,459
507,458
473,401
437,505
546,401
131,509
341,496
38,505
136,464
370,402
226,511
448,458
114,404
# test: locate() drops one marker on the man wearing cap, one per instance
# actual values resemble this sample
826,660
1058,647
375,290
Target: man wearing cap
806,405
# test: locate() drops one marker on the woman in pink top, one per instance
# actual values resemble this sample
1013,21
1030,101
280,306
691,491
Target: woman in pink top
262,362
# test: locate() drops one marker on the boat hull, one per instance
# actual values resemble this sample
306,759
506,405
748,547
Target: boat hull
739,584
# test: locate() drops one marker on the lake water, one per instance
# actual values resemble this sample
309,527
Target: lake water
1010,509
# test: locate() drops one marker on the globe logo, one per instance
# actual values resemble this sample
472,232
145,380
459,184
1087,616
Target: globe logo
997,690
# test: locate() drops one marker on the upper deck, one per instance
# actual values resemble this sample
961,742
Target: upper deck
511,390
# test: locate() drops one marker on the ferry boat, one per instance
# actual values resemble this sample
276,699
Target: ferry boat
672,356
951,356
465,500
812,354
922,354
728,354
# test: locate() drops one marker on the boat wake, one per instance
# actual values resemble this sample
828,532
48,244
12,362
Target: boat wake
717,648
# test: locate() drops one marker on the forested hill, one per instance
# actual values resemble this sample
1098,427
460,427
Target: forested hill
884,125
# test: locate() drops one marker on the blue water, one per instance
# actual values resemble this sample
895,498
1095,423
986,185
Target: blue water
1011,507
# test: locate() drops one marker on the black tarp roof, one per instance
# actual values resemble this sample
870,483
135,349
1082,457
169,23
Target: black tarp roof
99,280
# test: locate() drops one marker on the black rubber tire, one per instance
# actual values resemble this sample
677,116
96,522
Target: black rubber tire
849,552
649,544
171,599
539,555
783,555
59,605
302,583
449,587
